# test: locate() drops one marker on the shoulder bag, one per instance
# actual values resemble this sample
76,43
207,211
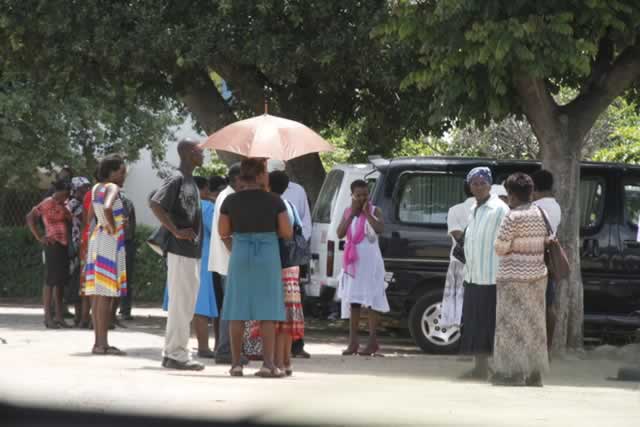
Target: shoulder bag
555,257
294,252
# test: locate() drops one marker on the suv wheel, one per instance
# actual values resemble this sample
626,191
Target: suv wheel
425,328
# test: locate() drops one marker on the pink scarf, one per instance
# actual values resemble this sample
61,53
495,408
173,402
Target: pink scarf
350,251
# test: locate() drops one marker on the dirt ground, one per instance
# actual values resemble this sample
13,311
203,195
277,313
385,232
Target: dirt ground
54,368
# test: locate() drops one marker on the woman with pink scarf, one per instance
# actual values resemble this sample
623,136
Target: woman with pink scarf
362,283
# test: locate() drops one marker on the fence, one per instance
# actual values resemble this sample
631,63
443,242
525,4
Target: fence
16,204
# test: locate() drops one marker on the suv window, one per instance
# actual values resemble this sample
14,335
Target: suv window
632,202
591,201
328,196
425,198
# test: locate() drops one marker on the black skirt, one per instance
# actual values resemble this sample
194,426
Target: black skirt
478,319
57,263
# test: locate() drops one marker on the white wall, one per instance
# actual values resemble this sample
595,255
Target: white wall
142,177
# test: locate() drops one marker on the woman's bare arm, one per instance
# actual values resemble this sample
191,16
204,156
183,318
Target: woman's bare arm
285,230
225,230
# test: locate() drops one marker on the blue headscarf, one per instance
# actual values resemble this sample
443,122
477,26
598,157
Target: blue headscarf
481,171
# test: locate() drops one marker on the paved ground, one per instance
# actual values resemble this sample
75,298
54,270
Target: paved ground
55,368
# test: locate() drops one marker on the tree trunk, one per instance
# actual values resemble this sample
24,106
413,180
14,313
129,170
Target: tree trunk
308,172
562,159
561,142
202,98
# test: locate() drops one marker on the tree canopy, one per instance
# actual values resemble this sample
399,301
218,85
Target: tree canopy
45,129
317,60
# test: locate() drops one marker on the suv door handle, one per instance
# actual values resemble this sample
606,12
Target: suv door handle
632,244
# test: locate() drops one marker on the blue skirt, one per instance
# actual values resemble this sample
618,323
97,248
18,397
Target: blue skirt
206,301
254,283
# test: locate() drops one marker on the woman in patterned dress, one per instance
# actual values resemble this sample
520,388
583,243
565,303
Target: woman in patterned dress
293,328
106,274
79,187
520,350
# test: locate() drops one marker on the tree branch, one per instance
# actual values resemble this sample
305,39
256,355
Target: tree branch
601,64
539,107
619,76
202,98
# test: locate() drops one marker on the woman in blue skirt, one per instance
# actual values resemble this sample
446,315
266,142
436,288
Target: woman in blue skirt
251,221
206,306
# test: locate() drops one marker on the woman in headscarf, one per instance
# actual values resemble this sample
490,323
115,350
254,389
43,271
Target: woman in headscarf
481,268
362,283
79,188
520,354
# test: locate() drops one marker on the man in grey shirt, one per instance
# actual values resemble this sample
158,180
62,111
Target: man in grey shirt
177,206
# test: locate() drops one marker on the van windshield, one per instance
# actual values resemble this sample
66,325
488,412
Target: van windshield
328,196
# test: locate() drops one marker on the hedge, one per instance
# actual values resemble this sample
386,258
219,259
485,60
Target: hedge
22,271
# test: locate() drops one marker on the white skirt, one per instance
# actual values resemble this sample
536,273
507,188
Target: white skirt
367,288
453,295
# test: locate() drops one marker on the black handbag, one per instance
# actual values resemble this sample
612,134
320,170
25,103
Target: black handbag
294,252
458,249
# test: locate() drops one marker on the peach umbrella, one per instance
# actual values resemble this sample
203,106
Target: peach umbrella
269,137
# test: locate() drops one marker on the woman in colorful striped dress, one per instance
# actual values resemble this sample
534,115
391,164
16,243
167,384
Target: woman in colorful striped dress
106,274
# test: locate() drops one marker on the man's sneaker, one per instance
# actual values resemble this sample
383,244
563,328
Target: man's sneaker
226,360
189,365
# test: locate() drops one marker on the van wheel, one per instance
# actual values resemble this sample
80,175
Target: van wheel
424,325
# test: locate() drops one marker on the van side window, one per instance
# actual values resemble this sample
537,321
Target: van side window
328,196
591,202
632,202
425,198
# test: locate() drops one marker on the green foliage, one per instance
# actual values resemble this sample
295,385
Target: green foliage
214,166
624,139
150,274
471,51
21,266
623,153
44,129
317,58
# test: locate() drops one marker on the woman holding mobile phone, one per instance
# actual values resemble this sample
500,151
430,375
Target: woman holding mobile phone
362,283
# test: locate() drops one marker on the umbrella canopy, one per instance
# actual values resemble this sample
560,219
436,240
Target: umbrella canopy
269,137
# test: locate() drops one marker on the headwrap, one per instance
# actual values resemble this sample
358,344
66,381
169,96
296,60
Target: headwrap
482,172
77,182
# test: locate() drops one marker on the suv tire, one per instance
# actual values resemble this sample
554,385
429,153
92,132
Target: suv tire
424,319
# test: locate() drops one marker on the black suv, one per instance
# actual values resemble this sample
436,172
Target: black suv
415,195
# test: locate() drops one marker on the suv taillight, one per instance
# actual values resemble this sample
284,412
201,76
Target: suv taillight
331,250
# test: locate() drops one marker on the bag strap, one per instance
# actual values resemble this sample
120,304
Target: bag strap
546,221
296,218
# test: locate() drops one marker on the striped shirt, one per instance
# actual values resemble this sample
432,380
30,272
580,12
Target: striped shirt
520,245
482,261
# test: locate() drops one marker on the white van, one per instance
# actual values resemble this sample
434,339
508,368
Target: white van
326,249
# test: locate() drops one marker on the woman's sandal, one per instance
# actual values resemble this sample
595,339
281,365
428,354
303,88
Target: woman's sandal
372,351
236,371
350,351
287,371
265,372
51,324
108,351
85,325
62,324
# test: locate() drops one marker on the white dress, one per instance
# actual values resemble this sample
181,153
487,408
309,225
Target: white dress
368,286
